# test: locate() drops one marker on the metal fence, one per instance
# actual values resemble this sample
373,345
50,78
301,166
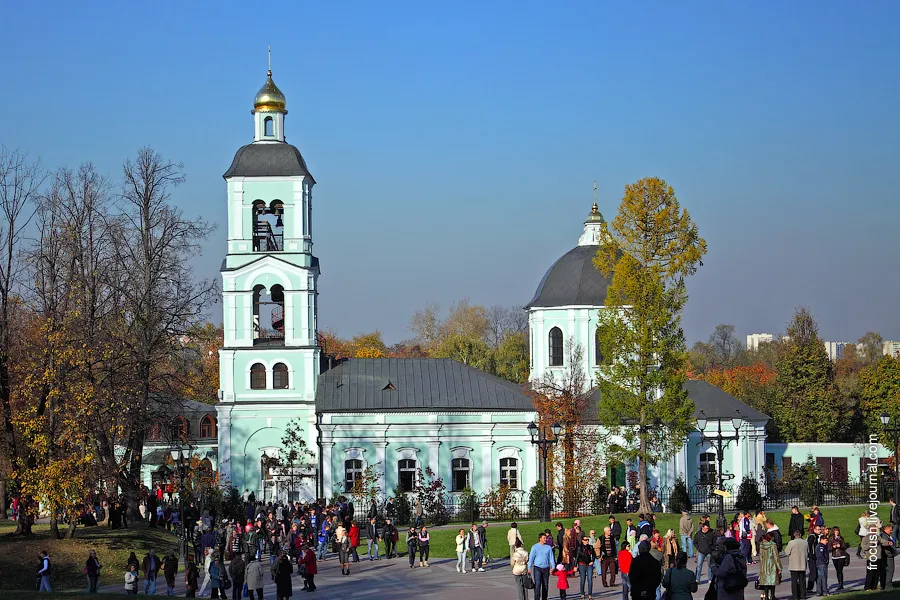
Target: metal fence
520,505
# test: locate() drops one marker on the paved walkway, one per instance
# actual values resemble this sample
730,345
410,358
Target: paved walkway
440,581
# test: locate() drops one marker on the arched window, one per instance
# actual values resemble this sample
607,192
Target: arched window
509,473
207,427
269,127
258,377
181,429
460,468
280,376
353,469
556,347
406,474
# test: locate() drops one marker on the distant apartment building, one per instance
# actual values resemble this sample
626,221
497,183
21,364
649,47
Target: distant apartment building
755,339
891,349
835,350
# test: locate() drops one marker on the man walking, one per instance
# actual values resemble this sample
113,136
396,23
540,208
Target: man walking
511,536
811,542
895,517
686,529
387,534
150,567
705,542
540,561
372,534
44,572
645,574
608,555
797,552
475,545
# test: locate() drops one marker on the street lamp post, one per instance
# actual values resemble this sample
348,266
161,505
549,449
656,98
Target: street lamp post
539,438
181,466
263,463
720,441
894,430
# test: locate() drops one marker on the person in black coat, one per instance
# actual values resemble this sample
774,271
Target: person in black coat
796,522
811,542
615,529
645,574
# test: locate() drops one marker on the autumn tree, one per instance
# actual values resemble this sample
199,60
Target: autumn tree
808,406
879,391
161,299
755,385
564,397
20,183
197,363
295,460
652,247
872,347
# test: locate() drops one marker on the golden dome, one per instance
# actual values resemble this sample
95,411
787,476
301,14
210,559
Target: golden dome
595,216
269,98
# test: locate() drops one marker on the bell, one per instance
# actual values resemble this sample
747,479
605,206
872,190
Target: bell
278,221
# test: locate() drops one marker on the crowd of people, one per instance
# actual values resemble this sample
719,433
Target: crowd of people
650,563
280,541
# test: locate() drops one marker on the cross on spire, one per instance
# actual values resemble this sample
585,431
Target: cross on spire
595,191
270,62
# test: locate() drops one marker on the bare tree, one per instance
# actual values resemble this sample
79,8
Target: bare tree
20,182
726,348
161,299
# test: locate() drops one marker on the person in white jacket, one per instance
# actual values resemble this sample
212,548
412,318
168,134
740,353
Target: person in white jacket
206,562
511,536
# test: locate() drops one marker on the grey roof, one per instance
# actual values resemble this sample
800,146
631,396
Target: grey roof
714,402
717,403
572,280
268,159
419,385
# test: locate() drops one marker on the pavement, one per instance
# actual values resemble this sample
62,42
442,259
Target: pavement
395,580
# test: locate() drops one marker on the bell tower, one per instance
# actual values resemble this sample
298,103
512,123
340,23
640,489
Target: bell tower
269,364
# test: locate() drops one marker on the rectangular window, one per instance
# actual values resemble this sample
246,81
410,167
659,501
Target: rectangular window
770,460
406,474
352,473
708,468
785,465
460,467
509,473
824,465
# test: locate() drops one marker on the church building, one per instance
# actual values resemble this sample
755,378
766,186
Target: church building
396,415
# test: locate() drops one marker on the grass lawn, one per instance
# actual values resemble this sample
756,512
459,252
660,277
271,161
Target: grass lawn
443,540
19,557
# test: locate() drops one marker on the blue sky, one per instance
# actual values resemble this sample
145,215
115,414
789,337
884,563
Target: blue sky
455,146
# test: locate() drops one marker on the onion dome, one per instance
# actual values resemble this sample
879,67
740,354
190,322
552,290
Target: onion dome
269,98
595,216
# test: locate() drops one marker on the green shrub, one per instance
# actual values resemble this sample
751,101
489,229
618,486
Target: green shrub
679,499
748,497
535,497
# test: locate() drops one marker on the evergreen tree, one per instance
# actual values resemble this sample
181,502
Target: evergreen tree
652,248
808,403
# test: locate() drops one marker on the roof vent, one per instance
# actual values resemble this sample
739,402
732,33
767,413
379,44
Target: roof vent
388,386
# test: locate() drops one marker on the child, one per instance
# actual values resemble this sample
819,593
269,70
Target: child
131,580
562,579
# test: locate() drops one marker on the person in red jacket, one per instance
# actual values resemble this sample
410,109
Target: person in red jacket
353,534
562,579
307,567
625,568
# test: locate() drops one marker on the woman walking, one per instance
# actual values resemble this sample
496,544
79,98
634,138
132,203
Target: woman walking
283,572
584,558
520,569
344,552
412,546
670,550
424,544
461,551
309,569
862,531
92,569
839,556
214,576
769,567
679,581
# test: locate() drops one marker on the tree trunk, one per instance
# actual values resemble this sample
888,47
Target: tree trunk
54,526
644,503
3,496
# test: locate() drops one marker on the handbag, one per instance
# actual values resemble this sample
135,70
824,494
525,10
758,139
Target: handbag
245,592
846,560
528,584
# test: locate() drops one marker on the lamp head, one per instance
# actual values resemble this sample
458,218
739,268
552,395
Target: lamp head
175,452
701,421
885,419
737,420
532,430
556,428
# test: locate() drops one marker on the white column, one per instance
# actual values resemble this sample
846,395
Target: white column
224,447
486,466
434,456
379,460
327,469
